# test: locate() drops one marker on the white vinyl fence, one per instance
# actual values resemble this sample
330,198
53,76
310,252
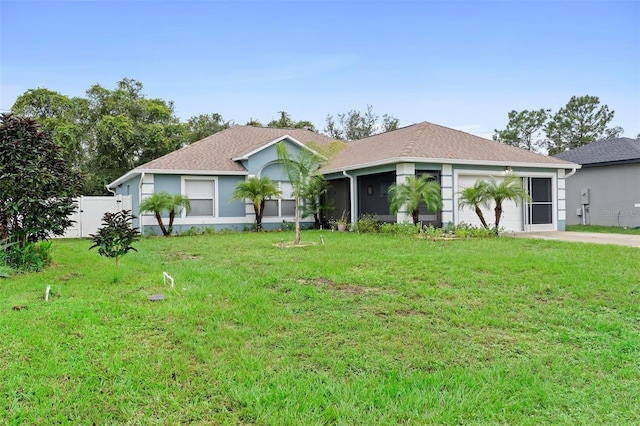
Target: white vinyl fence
88,217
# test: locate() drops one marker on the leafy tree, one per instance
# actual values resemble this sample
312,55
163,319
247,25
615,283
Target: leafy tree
253,122
115,237
524,129
203,125
37,183
510,188
129,129
64,120
414,191
108,132
300,172
355,125
475,197
159,202
286,122
258,190
579,123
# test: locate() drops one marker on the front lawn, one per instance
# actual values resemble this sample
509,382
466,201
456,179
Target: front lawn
363,330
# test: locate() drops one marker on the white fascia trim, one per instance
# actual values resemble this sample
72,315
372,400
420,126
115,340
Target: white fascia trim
273,142
133,173
448,161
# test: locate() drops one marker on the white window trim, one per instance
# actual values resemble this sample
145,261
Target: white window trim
279,201
183,190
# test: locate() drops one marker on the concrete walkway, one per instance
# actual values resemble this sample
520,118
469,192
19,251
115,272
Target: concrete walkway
585,237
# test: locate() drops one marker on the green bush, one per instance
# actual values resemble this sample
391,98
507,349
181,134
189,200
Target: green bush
368,224
32,257
400,228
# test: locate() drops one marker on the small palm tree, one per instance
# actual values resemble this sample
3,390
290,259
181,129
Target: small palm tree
415,190
177,202
475,197
156,204
313,205
511,188
161,201
258,190
300,171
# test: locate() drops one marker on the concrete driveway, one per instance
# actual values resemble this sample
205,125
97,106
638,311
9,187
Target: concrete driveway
584,237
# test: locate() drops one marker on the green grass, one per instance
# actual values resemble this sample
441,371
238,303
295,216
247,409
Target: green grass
366,329
603,229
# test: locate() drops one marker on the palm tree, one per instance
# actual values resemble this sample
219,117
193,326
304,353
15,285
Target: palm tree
258,190
475,197
415,190
312,198
177,201
156,204
161,201
511,188
300,172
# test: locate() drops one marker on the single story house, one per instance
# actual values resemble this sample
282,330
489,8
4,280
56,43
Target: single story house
606,190
207,172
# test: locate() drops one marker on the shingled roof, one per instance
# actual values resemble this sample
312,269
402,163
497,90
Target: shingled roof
431,142
215,153
421,142
602,153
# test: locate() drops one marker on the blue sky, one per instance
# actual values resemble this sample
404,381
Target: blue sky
460,64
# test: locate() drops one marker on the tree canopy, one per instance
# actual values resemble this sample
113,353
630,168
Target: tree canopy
354,125
108,132
582,121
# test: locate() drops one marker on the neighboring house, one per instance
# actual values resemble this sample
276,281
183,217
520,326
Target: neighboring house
606,190
207,171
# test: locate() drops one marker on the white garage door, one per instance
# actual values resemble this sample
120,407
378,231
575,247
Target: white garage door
512,214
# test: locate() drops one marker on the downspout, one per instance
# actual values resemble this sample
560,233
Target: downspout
573,172
352,197
140,201
109,189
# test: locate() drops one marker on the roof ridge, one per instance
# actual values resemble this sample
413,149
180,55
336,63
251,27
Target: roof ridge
412,141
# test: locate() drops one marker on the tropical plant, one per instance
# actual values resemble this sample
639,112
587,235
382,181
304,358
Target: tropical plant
300,172
312,197
158,202
414,191
258,190
475,197
177,202
115,237
510,188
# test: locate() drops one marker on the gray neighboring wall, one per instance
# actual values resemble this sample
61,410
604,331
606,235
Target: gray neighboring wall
611,174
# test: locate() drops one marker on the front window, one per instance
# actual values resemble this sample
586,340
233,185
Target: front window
285,205
201,194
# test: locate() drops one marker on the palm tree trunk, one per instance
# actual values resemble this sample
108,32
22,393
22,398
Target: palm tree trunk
415,215
481,217
297,237
498,211
162,228
172,216
258,211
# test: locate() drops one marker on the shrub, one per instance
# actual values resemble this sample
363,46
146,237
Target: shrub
31,257
114,239
400,228
368,223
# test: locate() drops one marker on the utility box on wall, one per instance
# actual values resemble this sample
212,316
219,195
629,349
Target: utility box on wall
584,196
